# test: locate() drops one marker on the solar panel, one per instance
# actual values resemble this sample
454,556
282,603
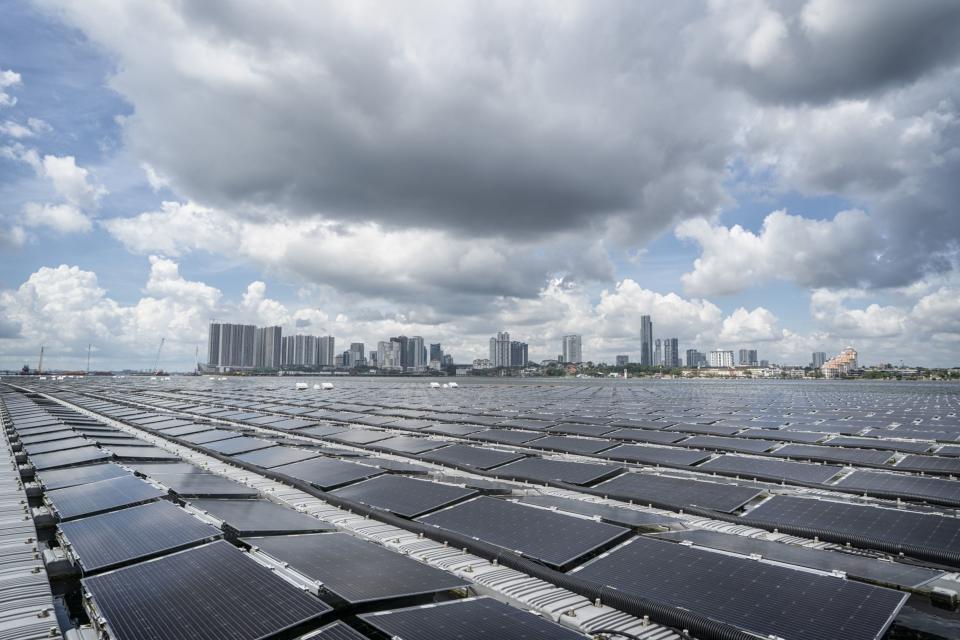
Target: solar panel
505,436
642,454
327,473
259,517
55,445
356,571
410,444
187,429
60,478
771,469
321,431
119,537
462,455
406,497
358,436
933,464
833,454
453,429
897,526
276,456
876,443
147,453
872,569
644,435
759,597
213,435
782,435
572,445
467,619
614,515
592,430
878,482
103,495
212,592
164,468
243,444
554,539
750,445
335,631
714,429
648,488
542,470
69,458
204,485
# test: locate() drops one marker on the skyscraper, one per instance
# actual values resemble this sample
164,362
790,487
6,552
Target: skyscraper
231,345
267,346
646,341
436,353
721,358
695,358
657,354
500,349
819,357
671,352
417,353
623,361
326,351
404,355
357,358
572,351
748,357
518,354
388,355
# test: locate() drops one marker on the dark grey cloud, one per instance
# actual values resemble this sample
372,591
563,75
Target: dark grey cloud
825,50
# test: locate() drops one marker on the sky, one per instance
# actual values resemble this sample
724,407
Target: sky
779,176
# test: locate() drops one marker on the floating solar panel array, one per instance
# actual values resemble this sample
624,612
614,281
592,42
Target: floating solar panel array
633,460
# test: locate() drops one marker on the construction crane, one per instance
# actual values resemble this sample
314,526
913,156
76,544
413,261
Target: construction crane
156,362
40,364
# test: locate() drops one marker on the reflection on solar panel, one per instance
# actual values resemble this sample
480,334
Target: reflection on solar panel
60,478
879,483
762,598
542,470
213,592
260,517
614,515
135,533
276,456
467,619
771,469
468,456
406,497
335,631
326,473
243,444
896,526
549,537
655,455
866,568
100,496
68,458
354,570
678,492
204,485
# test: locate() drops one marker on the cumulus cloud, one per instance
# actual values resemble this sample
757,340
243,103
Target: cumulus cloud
72,182
8,79
61,218
747,327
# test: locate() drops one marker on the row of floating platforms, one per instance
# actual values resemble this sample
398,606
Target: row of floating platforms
382,510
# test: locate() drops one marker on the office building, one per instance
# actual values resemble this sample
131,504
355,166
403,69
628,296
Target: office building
326,350
671,353
819,358
355,355
500,350
572,351
231,346
696,358
436,353
416,354
389,355
267,347
518,354
657,353
748,358
404,350
646,341
721,358
623,361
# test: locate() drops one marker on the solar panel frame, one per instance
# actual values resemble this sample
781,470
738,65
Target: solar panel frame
217,592
72,476
243,444
335,631
545,470
204,485
259,517
128,535
100,496
69,458
763,598
464,455
676,492
881,483
276,456
354,570
607,513
407,497
467,619
327,473
771,468
641,454
213,435
521,528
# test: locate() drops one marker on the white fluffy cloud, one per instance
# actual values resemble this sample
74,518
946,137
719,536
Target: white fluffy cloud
62,218
8,79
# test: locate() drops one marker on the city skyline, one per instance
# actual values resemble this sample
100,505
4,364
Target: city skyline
447,178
